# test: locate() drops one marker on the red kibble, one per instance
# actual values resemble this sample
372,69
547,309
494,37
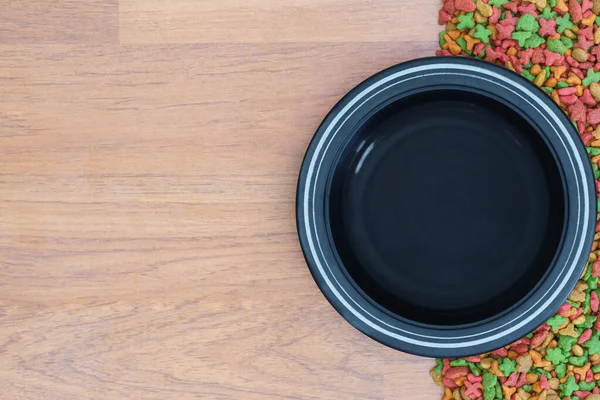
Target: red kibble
548,28
588,33
551,57
496,12
502,352
512,379
578,72
456,372
594,300
593,116
539,338
580,394
567,91
568,100
588,99
589,376
585,336
544,382
474,379
449,6
509,19
465,5
596,390
473,358
508,43
538,56
553,373
577,314
520,349
525,55
528,9
572,62
586,138
446,366
583,43
512,6
575,10
444,17
577,111
581,127
473,392
522,380
586,5
478,48
449,383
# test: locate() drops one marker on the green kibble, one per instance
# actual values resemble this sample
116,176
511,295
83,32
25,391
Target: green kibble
466,21
548,14
567,42
561,371
482,33
474,369
527,388
528,75
498,391
552,3
593,282
529,336
562,85
596,368
592,77
555,356
489,394
507,366
442,38
521,37
459,363
556,46
534,41
565,343
558,320
569,387
586,386
578,361
594,151
498,3
563,23
588,272
528,23
462,43
548,90
439,366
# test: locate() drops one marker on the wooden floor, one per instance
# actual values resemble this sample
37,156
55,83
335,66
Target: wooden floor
149,151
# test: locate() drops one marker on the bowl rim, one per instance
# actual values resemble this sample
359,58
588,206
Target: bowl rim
578,185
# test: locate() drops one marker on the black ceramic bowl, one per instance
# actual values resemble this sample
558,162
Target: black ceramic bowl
446,207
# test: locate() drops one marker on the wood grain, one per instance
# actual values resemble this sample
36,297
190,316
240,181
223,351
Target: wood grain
147,195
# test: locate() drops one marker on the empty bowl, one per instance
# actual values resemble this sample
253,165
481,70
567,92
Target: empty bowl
446,207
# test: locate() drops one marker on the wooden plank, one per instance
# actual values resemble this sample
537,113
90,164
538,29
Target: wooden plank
147,225
268,21
59,21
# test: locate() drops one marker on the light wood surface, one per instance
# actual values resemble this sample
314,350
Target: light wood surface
149,151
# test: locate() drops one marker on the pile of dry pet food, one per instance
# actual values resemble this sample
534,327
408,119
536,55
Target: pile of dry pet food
555,45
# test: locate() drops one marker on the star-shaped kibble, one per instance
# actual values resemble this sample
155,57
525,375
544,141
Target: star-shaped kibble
593,345
548,27
569,387
489,380
521,37
548,14
556,321
534,41
528,23
507,366
591,77
504,31
466,21
509,19
555,356
482,33
564,22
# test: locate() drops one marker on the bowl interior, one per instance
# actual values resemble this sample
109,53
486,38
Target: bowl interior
446,207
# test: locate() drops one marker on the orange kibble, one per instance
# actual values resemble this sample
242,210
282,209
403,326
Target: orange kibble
558,71
537,387
595,159
551,82
579,90
532,378
492,28
471,42
575,29
533,398
447,394
595,143
511,52
560,4
455,19
508,391
573,79
568,53
582,371
597,376
594,245
454,48
555,97
455,34
552,344
589,129
536,69
494,369
589,21
460,381
513,355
